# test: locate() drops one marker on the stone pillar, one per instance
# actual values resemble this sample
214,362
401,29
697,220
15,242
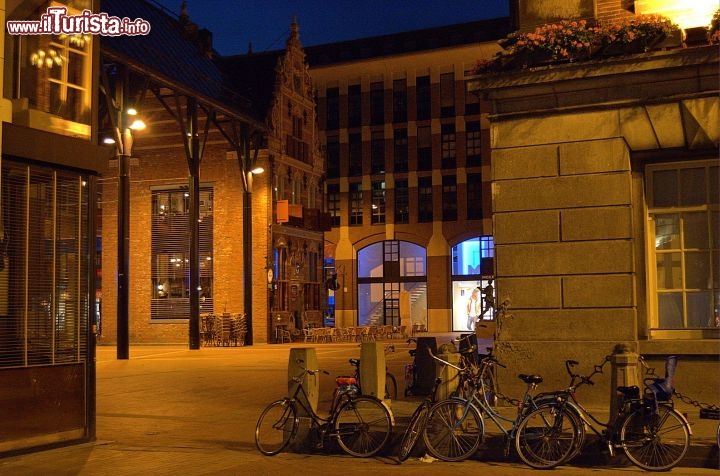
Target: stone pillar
300,358
448,375
624,374
372,369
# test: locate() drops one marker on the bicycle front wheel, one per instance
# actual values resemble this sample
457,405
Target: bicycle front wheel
362,426
413,430
655,441
546,437
275,428
454,430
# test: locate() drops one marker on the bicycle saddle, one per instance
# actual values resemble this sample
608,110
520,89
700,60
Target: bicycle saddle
530,379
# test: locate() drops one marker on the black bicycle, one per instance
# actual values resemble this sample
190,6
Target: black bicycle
361,424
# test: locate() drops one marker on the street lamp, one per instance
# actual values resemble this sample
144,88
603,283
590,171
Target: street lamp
247,245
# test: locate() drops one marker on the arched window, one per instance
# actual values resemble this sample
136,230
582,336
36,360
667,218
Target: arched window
392,283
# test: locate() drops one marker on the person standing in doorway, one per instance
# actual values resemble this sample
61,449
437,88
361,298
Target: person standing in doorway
474,307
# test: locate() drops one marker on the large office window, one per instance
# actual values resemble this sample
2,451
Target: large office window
472,275
474,196
424,148
447,95
377,103
387,271
400,150
170,253
423,98
333,203
377,152
378,202
449,198
447,146
354,99
473,145
332,152
332,108
355,155
400,100
355,198
683,227
402,202
425,199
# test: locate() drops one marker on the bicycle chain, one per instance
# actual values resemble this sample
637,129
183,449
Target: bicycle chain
684,398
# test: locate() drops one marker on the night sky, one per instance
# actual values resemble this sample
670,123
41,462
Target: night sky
266,23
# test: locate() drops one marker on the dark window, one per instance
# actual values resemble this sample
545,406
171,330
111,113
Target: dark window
424,148
356,204
472,103
354,105
355,155
295,147
399,100
377,153
332,108
447,145
447,95
425,199
449,198
422,97
333,203
474,196
473,144
400,150
377,103
402,202
333,156
378,202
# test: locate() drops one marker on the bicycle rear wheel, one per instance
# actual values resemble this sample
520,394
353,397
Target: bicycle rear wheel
413,430
546,437
276,426
655,441
362,426
454,430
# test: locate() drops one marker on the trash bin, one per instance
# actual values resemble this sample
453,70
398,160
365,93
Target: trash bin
425,369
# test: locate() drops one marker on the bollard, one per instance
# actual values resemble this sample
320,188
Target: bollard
624,364
448,375
372,369
305,440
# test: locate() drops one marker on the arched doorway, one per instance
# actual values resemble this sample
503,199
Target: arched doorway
472,270
392,284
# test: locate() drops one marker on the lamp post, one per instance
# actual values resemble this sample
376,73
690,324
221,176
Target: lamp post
248,247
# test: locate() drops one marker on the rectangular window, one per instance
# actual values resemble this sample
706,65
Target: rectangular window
377,153
332,109
356,203
402,202
449,198
472,103
378,202
474,196
400,150
423,98
354,99
170,255
683,225
355,155
447,146
425,199
332,153
377,103
400,100
447,95
424,148
333,203
472,144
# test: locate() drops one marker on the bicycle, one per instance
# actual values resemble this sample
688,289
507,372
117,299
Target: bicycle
455,426
416,425
361,424
652,434
390,382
